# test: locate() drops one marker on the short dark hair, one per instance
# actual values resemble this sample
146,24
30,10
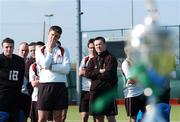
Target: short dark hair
32,44
40,43
8,40
100,38
90,41
56,29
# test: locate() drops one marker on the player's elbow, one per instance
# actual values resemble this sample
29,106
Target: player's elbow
67,69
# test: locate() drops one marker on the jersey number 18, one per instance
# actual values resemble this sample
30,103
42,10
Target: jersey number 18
13,75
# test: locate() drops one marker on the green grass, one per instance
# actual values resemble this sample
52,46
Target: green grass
74,116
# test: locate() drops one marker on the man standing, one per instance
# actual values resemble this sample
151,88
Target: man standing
31,55
133,90
34,80
55,65
32,48
86,83
25,96
102,70
12,68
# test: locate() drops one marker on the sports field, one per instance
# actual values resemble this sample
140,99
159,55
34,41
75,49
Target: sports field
74,116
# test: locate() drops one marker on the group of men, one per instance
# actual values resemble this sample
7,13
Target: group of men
44,68
99,85
99,82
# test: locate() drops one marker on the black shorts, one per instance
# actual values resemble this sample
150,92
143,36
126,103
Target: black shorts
134,104
84,101
34,112
26,104
52,96
102,103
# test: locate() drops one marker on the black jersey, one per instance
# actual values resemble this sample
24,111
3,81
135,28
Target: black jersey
106,80
11,80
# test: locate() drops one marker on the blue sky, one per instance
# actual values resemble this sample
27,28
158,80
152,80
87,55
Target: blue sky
22,20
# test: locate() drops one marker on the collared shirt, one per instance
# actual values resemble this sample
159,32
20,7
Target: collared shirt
54,66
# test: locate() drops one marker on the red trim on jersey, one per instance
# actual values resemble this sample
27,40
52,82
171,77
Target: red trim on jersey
86,59
34,68
42,49
61,49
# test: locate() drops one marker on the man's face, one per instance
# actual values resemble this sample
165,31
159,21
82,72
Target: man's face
91,49
23,50
100,46
53,36
32,51
8,49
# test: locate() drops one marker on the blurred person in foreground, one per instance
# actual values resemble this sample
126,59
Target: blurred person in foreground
154,61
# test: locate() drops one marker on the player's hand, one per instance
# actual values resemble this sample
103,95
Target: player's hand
81,72
50,45
36,78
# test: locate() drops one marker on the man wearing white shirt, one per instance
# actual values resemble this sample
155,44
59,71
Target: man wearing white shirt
34,80
135,99
86,83
54,64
